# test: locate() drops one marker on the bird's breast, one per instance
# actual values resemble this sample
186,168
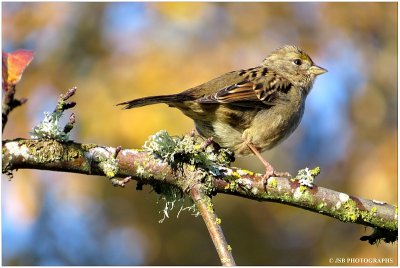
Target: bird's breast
272,126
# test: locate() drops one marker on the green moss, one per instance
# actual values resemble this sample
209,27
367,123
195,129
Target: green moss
367,216
243,172
110,173
236,175
191,168
232,185
45,151
287,198
106,162
210,206
141,171
272,183
227,186
349,216
315,171
303,189
73,154
208,181
321,205
254,191
88,146
349,211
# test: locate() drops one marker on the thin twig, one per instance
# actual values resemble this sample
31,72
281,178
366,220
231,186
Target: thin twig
9,103
203,203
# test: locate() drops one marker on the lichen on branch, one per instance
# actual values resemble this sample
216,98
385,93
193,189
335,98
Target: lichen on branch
148,168
49,128
189,149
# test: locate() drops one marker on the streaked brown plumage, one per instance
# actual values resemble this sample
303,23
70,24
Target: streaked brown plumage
248,110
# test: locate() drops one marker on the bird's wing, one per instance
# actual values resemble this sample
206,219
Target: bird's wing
257,85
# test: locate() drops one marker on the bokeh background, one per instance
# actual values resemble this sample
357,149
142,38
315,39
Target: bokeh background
118,51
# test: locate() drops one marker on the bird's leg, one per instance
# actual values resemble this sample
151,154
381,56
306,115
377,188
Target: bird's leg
269,170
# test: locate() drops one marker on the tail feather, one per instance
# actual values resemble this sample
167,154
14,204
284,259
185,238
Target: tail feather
168,99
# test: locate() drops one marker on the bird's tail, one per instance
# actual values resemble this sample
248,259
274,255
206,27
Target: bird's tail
168,99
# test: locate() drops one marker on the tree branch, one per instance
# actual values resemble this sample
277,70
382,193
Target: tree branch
9,103
147,168
205,207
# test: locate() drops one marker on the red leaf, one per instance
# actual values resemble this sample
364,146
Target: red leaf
14,64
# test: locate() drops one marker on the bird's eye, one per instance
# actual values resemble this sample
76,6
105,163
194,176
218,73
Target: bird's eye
297,62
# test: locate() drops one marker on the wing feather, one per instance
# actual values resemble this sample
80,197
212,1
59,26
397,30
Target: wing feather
258,85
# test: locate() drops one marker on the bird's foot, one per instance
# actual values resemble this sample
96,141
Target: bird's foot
269,170
204,141
207,142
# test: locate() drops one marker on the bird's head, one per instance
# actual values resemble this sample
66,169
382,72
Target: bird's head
295,65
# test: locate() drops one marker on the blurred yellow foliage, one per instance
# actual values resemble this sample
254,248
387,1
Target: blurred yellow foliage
179,11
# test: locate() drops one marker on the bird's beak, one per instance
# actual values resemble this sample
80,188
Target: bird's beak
317,70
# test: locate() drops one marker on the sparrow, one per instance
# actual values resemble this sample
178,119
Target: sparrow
249,110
